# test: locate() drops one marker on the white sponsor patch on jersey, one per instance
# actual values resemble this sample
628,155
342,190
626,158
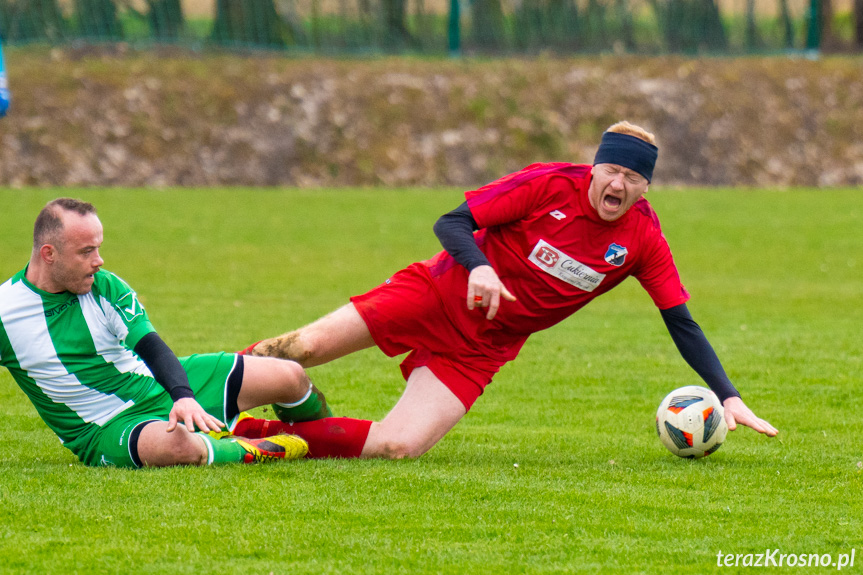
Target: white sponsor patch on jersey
557,214
554,262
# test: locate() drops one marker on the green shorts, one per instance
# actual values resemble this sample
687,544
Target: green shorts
209,376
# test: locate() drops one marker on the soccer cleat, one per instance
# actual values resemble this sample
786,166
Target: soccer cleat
220,434
273,448
227,432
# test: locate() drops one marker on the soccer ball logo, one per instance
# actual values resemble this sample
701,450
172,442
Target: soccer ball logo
690,422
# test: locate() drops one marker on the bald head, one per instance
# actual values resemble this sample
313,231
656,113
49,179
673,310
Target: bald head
66,241
49,223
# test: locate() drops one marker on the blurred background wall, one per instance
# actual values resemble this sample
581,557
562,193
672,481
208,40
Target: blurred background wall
436,26
426,92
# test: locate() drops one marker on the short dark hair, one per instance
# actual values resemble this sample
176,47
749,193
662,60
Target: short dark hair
49,223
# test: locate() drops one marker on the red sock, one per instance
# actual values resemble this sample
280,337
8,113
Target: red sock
253,428
248,350
329,437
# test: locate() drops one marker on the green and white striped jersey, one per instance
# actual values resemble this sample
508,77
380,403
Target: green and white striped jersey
71,354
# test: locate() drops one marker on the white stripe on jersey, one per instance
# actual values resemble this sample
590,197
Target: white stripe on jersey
23,317
103,321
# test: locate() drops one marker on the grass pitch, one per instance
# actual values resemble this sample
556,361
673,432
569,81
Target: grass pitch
556,469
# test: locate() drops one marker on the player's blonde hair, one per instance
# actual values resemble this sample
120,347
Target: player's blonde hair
632,130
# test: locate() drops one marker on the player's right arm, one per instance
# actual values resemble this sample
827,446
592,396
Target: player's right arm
659,276
697,351
484,288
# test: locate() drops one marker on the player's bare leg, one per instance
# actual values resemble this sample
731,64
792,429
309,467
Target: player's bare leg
423,415
333,336
426,411
267,380
159,448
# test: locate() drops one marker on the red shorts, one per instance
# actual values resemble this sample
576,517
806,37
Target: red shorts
405,314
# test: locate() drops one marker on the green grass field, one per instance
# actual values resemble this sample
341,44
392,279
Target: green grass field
777,284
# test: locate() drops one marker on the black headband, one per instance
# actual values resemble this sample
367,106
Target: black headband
627,151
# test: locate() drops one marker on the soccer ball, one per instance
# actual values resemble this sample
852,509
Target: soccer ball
690,422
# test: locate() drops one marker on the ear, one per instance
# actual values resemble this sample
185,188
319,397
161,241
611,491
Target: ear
48,253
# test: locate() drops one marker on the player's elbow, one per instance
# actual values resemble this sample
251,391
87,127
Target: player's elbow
439,226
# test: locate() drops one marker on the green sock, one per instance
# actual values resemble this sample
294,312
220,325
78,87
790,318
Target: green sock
225,450
310,408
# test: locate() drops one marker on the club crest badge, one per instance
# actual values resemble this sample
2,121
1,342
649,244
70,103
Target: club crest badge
129,306
616,254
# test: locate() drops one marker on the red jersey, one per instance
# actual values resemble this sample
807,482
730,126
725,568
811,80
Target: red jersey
551,249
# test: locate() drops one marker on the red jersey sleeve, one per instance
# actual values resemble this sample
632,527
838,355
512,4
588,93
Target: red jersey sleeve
516,195
657,272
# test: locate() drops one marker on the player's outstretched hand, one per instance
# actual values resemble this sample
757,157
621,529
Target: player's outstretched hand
737,412
484,289
192,415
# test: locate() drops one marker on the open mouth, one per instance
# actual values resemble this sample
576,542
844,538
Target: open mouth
611,203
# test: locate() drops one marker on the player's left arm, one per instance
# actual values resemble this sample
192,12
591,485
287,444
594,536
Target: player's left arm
128,321
169,373
700,355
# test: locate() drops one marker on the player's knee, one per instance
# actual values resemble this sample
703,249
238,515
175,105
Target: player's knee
189,453
168,449
294,381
